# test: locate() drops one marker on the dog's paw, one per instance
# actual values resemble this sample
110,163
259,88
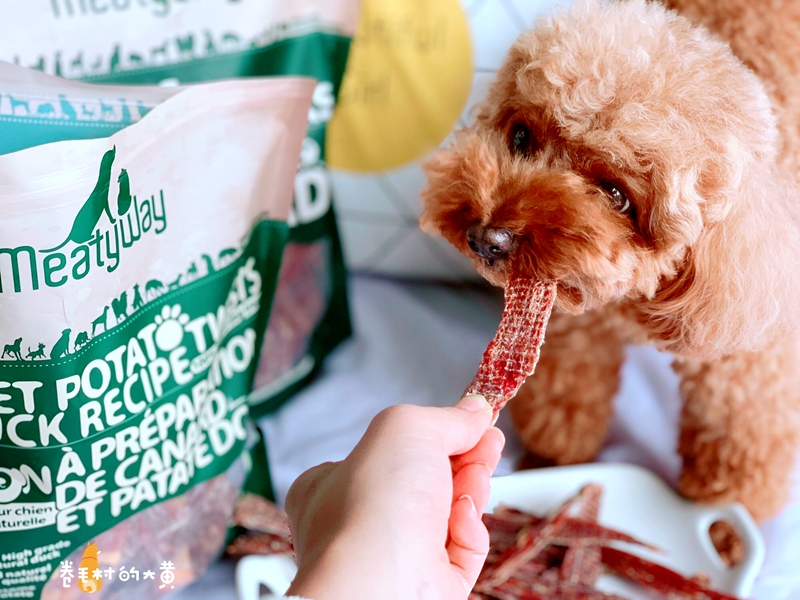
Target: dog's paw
719,471
560,432
728,543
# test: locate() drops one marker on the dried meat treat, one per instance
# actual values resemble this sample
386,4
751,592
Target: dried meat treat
189,530
561,556
530,542
267,525
702,579
259,543
577,533
300,300
256,513
512,355
584,564
549,588
657,577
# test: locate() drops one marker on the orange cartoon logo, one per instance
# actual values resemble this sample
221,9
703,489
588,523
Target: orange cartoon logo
87,581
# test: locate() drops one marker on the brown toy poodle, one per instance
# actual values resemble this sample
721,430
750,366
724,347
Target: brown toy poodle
628,154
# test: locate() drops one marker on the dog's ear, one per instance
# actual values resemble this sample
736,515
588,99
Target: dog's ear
740,284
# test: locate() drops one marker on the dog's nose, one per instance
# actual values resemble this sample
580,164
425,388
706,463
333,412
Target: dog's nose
491,243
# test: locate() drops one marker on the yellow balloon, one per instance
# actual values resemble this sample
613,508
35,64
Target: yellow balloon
407,81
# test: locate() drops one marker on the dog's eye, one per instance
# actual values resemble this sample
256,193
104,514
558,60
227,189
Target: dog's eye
520,140
618,199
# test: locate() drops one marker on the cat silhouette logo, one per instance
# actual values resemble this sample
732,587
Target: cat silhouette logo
89,583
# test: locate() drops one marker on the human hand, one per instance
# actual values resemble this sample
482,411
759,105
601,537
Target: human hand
400,517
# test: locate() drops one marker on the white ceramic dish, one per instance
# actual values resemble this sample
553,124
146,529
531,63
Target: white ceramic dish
275,572
639,503
635,501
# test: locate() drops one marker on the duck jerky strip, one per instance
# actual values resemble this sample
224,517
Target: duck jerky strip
548,587
531,541
568,566
512,355
656,577
584,564
504,529
512,515
187,530
267,525
259,514
574,533
702,579
259,543
301,298
579,534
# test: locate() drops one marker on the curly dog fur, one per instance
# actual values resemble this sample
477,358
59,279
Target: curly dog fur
695,120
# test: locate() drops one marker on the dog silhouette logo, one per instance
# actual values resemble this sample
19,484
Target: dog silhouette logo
13,350
122,221
87,581
92,210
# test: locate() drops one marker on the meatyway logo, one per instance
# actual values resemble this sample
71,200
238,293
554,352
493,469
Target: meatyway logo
96,240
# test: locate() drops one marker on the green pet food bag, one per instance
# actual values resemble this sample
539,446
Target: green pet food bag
187,41
137,271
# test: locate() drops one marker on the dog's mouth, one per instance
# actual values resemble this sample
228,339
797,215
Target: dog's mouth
499,254
498,269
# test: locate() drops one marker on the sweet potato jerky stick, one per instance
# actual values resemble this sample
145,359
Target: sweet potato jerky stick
513,353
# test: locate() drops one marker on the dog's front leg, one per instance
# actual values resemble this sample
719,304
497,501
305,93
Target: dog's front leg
739,427
562,412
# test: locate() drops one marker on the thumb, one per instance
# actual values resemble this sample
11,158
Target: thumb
459,428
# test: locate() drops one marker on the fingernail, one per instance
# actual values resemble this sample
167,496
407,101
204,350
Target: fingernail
502,435
469,499
485,466
474,403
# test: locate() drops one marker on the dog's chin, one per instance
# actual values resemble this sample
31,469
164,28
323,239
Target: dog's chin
497,273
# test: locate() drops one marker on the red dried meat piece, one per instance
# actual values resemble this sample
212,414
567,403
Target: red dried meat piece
512,355
574,533
503,531
549,588
657,577
530,542
267,525
579,534
256,513
259,543
702,579
164,531
560,557
584,564
297,306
